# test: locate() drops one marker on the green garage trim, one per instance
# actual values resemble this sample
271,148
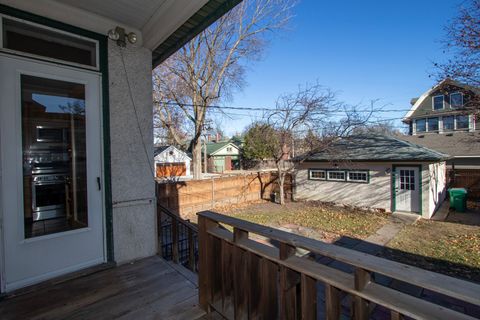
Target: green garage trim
420,185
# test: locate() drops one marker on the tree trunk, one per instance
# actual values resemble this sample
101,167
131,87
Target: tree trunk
281,180
281,183
197,159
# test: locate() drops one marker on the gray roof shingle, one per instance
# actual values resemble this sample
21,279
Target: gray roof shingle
457,144
376,147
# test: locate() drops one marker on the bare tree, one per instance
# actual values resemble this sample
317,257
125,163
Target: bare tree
312,115
212,66
463,42
384,127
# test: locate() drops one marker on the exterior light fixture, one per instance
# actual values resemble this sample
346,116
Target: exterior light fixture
132,37
118,34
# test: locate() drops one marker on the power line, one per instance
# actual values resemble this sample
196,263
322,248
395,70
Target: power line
269,109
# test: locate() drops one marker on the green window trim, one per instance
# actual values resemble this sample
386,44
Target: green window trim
312,171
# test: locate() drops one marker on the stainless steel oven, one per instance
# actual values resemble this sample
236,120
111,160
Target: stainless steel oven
51,134
49,196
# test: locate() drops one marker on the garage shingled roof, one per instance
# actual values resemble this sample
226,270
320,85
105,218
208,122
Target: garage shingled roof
376,147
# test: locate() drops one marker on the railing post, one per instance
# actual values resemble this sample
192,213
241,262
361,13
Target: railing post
205,260
159,230
241,272
191,250
289,302
175,241
394,315
308,297
332,303
361,306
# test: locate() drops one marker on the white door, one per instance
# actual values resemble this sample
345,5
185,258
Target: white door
50,138
407,191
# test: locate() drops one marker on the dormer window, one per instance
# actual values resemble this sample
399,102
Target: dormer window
456,100
438,102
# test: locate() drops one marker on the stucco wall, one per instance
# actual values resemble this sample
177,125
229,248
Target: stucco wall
376,194
437,187
133,187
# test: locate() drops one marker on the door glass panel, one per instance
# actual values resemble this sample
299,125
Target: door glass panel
54,156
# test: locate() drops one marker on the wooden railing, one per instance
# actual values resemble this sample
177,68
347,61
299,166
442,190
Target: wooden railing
178,239
243,276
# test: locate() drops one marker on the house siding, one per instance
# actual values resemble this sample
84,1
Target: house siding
224,152
375,194
133,187
437,187
426,107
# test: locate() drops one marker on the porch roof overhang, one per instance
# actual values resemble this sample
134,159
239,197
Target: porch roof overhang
162,26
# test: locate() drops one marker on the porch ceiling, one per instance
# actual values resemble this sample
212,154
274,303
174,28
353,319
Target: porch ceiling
134,13
162,26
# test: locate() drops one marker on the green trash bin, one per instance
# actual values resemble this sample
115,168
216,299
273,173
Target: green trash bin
458,199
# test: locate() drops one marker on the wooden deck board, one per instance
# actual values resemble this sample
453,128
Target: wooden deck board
147,289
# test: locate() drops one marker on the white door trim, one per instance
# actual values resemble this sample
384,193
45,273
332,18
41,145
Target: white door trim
18,187
412,192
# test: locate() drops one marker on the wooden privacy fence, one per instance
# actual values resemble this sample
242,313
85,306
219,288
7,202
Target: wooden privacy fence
469,179
192,196
242,278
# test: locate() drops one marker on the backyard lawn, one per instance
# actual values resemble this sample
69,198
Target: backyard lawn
332,221
451,247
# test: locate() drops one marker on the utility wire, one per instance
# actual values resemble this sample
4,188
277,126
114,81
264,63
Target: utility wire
265,109
137,120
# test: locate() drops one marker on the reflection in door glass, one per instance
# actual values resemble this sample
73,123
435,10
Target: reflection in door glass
54,156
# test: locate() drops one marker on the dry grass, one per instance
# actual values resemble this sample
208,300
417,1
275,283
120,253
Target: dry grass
343,221
447,247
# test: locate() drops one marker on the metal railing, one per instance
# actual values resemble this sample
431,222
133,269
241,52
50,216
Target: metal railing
244,277
178,239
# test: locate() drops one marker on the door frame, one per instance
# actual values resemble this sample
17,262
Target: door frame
104,122
420,186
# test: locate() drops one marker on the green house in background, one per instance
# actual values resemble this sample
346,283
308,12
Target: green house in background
222,156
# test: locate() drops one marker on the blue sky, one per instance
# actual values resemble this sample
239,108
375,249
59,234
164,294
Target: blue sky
363,50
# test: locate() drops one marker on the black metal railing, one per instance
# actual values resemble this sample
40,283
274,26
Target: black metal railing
178,239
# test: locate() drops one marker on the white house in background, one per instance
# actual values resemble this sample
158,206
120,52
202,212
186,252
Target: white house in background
171,162
375,171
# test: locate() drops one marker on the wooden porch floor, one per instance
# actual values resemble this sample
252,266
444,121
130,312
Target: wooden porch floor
147,289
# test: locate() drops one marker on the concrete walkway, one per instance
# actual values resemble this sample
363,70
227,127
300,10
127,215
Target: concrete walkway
396,223
442,212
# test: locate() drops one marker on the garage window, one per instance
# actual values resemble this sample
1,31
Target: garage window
336,175
318,174
357,176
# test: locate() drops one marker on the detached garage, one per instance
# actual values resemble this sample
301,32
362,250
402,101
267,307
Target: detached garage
171,162
375,171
